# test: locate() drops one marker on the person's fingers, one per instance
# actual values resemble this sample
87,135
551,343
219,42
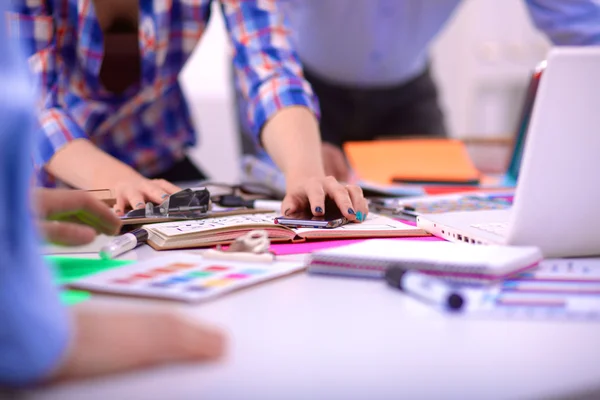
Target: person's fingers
120,204
316,196
103,344
167,186
338,193
135,199
70,204
359,202
198,342
157,190
290,204
154,193
67,233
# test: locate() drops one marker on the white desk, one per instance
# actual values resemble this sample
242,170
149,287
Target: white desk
312,337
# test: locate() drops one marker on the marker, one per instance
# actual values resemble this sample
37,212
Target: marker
123,244
426,288
237,201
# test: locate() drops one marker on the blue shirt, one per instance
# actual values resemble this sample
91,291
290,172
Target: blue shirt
383,42
34,329
375,43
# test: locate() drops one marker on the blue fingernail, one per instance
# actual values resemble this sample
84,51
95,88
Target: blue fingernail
318,210
364,217
359,215
351,211
164,195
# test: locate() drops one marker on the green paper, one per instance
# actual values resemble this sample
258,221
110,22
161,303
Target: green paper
72,297
68,269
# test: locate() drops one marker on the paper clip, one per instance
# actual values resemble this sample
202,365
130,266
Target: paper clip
251,247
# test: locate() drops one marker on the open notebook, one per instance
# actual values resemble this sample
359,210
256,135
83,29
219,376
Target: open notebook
214,231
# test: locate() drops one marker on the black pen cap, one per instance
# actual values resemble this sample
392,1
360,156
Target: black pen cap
393,276
141,235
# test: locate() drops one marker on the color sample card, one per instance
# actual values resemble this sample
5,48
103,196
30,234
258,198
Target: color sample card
184,277
556,289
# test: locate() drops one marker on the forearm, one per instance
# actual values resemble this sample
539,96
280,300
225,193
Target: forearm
83,165
293,140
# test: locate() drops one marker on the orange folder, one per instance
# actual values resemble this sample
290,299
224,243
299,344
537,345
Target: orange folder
419,161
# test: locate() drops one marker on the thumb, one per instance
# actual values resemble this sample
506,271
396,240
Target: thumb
67,233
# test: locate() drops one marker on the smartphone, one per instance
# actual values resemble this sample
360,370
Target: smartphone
332,218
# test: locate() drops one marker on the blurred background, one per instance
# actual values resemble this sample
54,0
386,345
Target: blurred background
481,61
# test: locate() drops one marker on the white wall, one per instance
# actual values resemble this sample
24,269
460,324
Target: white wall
481,61
207,85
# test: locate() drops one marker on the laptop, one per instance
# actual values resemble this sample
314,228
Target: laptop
514,166
556,199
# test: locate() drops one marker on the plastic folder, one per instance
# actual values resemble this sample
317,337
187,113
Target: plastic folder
418,161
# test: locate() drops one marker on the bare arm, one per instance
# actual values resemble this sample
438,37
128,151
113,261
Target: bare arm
292,138
83,165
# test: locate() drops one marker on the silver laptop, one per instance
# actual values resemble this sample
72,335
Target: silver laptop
557,199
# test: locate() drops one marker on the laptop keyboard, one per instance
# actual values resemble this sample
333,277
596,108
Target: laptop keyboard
497,228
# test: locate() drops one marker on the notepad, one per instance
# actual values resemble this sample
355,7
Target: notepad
419,161
216,231
453,261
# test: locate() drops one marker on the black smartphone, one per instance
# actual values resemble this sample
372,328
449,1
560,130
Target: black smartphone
332,218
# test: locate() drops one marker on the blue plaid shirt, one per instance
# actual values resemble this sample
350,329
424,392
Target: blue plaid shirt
149,125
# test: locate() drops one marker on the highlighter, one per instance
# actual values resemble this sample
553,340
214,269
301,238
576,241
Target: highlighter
123,244
425,288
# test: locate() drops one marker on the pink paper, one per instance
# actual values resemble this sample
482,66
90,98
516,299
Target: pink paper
310,246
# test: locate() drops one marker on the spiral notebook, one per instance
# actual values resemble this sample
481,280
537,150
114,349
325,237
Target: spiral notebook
453,261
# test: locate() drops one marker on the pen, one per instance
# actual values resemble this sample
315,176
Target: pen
123,244
429,289
237,201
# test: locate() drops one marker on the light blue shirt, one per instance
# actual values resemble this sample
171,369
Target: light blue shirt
384,42
34,328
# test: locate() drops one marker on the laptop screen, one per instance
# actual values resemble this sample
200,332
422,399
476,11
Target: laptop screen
519,142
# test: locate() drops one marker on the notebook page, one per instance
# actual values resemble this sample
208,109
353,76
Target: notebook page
374,223
189,227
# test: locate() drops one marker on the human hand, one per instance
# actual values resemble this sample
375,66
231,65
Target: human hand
135,190
72,217
107,342
311,192
335,162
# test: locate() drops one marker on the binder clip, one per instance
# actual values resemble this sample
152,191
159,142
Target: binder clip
185,204
251,247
